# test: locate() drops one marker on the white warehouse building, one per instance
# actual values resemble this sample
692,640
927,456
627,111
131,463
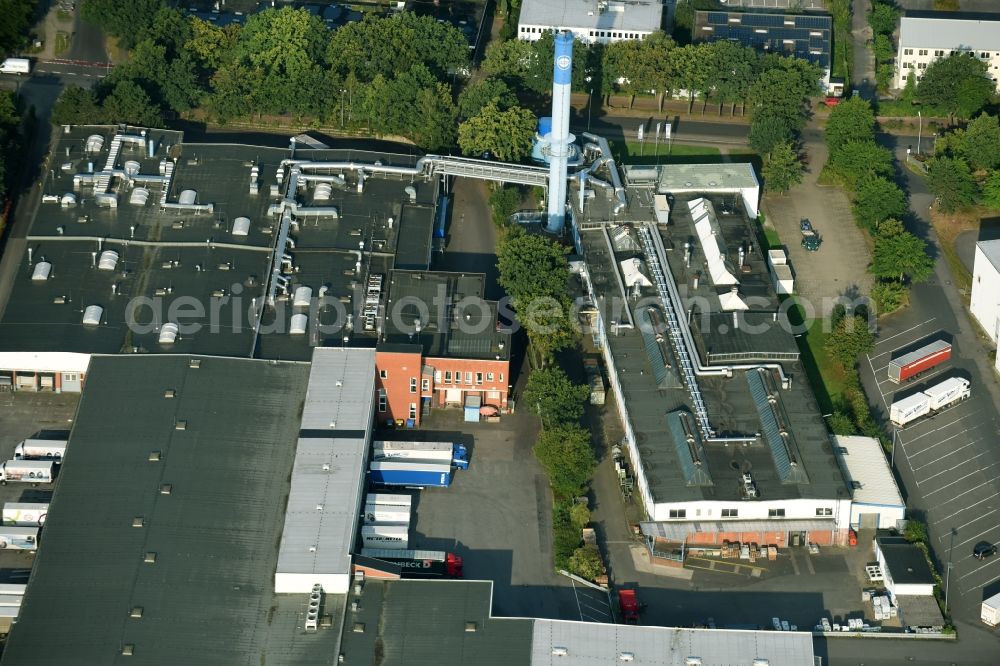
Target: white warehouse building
876,501
926,36
985,301
590,21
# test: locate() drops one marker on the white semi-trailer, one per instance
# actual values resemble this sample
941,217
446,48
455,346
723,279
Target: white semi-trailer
22,514
19,538
40,449
932,399
386,515
396,537
26,471
389,499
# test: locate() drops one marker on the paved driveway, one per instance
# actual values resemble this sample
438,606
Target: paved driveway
838,268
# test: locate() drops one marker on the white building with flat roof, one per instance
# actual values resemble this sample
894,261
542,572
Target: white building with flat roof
590,21
924,38
985,301
876,501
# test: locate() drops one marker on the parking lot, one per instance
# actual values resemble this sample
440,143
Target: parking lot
949,462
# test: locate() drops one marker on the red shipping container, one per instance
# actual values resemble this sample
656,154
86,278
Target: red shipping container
919,360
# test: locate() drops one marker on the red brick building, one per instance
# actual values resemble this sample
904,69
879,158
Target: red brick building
441,343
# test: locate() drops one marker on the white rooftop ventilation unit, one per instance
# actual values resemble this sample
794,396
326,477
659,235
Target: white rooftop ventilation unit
132,168
41,271
299,322
139,196
92,315
323,192
168,334
95,142
241,226
106,200
68,200
302,297
108,260
187,197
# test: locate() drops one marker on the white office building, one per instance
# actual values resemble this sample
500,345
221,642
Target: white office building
590,21
925,38
985,302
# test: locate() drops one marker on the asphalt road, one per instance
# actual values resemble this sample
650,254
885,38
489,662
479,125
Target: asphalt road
88,42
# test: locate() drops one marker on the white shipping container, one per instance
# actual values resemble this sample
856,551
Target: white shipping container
24,514
903,411
389,499
949,391
388,515
396,537
990,613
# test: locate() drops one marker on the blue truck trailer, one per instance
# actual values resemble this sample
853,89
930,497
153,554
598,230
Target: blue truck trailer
414,474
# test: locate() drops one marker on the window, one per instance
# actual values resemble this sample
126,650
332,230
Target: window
501,378
939,53
447,376
468,378
381,400
413,410
70,377
489,376
922,52
678,513
775,513
730,513
425,385
383,374
922,65
984,55
437,376
907,51
413,384
824,511
479,378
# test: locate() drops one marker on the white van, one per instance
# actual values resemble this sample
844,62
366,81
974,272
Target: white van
15,66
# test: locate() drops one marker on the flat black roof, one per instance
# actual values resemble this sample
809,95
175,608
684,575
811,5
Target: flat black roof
208,596
806,36
906,561
432,622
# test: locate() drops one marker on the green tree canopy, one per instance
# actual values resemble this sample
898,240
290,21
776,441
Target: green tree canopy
126,21
767,131
14,28
991,190
981,142
586,563
900,255
480,93
77,106
731,72
568,458
851,120
951,181
859,160
883,18
957,83
850,339
877,199
782,168
779,93
555,399
129,103
507,134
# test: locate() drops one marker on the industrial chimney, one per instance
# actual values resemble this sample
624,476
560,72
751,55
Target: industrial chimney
559,137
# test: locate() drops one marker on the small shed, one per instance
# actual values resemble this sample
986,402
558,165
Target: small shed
472,405
904,567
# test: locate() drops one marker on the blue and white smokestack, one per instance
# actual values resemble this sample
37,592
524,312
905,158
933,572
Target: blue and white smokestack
559,137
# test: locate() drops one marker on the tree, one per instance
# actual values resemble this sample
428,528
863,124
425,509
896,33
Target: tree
851,120
767,131
507,134
915,532
76,106
555,399
899,255
958,84
882,47
991,190
859,160
778,93
730,72
951,181
129,103
168,77
586,563
841,424
849,339
782,168
16,22
883,18
211,46
433,127
878,199
504,201
567,457
981,142
579,515
690,67
889,295
127,21
477,95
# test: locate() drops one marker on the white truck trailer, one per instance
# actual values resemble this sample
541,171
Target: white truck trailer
386,515
40,449
931,399
389,499
396,537
19,538
990,612
451,452
26,471
22,514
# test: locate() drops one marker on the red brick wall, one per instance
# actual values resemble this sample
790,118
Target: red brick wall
399,368
501,378
821,537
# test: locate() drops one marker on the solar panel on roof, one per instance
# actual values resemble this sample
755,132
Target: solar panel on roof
718,18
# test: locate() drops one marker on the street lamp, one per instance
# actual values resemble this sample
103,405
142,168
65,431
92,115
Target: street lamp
892,455
590,100
920,130
342,91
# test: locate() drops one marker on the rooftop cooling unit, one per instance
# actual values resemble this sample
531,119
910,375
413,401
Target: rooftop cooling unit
139,196
168,333
92,315
241,226
108,260
41,271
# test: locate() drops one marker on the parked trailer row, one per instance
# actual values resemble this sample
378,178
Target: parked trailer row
932,399
24,514
40,449
19,538
386,515
388,499
26,471
419,563
411,474
453,453
918,361
393,537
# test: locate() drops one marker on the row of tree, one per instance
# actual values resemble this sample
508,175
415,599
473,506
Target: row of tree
883,18
965,169
11,143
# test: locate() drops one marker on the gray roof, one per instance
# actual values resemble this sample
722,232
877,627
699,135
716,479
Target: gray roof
595,643
991,250
698,177
207,598
950,32
641,15
864,462
169,256
425,623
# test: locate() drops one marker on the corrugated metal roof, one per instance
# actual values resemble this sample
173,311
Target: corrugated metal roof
328,472
864,462
594,643
776,432
949,33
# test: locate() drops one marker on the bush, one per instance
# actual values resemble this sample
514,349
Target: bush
586,563
567,457
916,531
580,516
841,424
889,296
565,536
504,202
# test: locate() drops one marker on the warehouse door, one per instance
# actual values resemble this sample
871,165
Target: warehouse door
453,397
869,521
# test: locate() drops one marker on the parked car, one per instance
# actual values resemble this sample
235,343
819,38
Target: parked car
810,239
984,550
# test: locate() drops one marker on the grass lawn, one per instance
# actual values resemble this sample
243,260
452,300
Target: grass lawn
62,42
